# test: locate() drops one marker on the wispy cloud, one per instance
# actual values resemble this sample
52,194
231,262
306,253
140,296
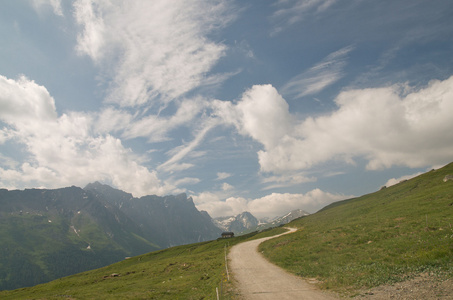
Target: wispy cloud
156,128
55,4
294,11
320,76
152,58
285,180
183,151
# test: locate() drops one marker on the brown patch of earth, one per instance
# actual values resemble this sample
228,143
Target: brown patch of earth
425,286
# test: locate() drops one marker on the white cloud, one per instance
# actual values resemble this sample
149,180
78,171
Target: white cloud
24,101
272,205
264,115
388,126
186,181
156,128
92,40
156,49
285,180
55,4
179,153
275,204
63,150
223,175
384,126
393,181
227,187
320,76
211,203
113,120
294,11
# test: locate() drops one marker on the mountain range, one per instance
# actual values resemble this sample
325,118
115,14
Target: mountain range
50,233
246,222
46,234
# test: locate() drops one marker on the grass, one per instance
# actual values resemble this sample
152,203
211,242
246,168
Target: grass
380,238
184,272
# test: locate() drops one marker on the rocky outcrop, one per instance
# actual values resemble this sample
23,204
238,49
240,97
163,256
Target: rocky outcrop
448,177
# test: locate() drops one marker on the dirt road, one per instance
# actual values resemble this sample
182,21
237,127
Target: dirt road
257,278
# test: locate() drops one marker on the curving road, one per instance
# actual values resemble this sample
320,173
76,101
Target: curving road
257,278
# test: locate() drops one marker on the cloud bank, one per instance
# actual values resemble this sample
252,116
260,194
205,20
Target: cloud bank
390,126
273,205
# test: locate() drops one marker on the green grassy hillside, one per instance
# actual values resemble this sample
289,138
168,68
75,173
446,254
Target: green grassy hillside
48,234
383,237
183,272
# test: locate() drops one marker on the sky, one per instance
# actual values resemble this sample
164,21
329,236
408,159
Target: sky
260,106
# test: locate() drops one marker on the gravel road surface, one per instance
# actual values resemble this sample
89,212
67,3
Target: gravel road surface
257,278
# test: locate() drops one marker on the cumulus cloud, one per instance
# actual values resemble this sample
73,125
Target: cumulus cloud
155,49
387,126
320,76
25,101
280,204
211,203
390,126
272,205
393,181
63,150
264,115
227,187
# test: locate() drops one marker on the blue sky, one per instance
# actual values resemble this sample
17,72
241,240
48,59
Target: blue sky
264,106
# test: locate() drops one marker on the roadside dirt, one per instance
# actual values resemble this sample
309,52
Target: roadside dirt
424,287
257,278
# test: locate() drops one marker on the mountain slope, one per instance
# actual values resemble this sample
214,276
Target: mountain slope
238,223
46,234
384,237
168,221
292,215
192,271
246,222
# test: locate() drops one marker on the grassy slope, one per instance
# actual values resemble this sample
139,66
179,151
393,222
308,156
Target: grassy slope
184,272
35,250
379,238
